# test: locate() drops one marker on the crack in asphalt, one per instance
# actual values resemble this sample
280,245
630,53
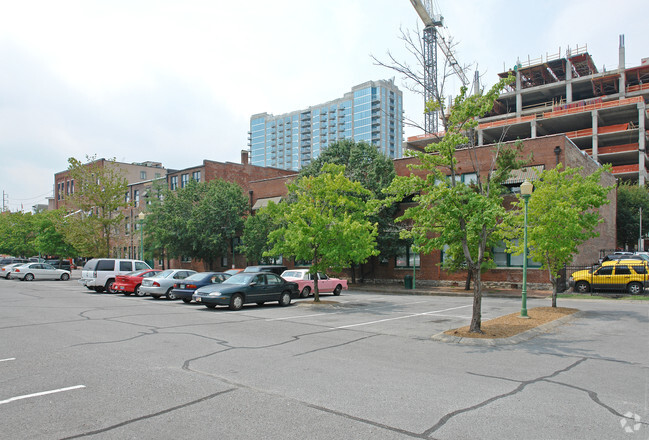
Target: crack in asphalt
149,416
522,385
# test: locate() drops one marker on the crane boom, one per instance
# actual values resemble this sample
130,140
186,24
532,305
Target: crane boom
452,61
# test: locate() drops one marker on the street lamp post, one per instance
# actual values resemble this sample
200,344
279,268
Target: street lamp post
141,216
526,192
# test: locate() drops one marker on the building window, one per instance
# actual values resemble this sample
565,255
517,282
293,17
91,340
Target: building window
196,176
173,182
143,175
184,180
127,228
504,259
136,197
127,196
185,259
407,258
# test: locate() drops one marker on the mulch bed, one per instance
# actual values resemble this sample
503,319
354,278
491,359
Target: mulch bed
510,325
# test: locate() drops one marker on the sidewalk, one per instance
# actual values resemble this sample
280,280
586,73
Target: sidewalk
399,289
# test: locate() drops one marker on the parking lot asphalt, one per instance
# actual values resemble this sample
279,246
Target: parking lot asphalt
77,364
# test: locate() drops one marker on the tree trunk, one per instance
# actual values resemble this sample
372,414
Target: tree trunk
353,267
554,290
467,284
316,292
476,319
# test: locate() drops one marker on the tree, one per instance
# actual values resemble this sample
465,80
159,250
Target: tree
254,241
324,223
364,163
198,221
562,214
17,233
630,199
447,212
49,240
96,203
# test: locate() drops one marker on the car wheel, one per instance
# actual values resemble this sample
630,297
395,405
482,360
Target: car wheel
29,277
210,306
236,302
170,294
305,292
634,288
65,276
285,299
582,287
109,286
138,292
338,289
187,301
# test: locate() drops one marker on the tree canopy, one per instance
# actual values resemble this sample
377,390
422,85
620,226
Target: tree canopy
95,205
630,199
324,222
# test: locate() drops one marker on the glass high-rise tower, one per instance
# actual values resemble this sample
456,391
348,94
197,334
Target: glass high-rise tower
371,112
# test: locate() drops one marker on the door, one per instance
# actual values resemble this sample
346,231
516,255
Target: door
603,277
257,291
48,271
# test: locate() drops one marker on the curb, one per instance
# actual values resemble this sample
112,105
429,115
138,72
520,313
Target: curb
521,337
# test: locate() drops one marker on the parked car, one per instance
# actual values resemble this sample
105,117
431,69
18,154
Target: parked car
629,275
625,256
233,271
39,271
304,282
244,288
60,264
274,268
99,274
184,289
130,282
5,271
163,283
11,260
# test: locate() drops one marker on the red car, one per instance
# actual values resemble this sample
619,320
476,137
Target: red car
130,282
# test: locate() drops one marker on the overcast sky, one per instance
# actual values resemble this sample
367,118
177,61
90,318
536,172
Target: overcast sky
177,81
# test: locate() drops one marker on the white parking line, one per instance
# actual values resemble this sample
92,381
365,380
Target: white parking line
44,393
402,317
8,359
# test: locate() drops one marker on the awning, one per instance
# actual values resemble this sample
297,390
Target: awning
530,173
260,203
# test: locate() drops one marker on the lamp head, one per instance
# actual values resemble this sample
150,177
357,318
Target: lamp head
526,188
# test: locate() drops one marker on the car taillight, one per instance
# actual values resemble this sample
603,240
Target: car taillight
156,284
16,270
175,286
190,286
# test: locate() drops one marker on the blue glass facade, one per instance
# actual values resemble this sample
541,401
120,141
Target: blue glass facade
372,112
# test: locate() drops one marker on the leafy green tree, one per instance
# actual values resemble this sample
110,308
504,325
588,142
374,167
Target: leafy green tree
364,163
630,199
448,212
97,200
254,240
562,214
198,221
49,240
324,223
17,234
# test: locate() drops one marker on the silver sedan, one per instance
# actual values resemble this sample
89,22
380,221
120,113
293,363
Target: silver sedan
39,271
163,283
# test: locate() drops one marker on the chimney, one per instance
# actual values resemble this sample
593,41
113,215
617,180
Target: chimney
244,157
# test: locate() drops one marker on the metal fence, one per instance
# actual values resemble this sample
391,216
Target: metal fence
631,278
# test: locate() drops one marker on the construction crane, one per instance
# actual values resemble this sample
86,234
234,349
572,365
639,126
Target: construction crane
431,39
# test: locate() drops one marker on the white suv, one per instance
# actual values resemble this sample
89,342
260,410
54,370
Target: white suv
99,274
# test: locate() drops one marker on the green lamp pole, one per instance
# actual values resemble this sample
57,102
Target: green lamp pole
526,192
141,216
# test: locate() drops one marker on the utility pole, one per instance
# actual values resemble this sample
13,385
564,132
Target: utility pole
640,241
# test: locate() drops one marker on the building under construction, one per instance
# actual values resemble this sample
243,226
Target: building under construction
602,113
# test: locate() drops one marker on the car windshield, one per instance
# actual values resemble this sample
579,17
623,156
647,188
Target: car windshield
292,274
135,273
164,274
240,278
